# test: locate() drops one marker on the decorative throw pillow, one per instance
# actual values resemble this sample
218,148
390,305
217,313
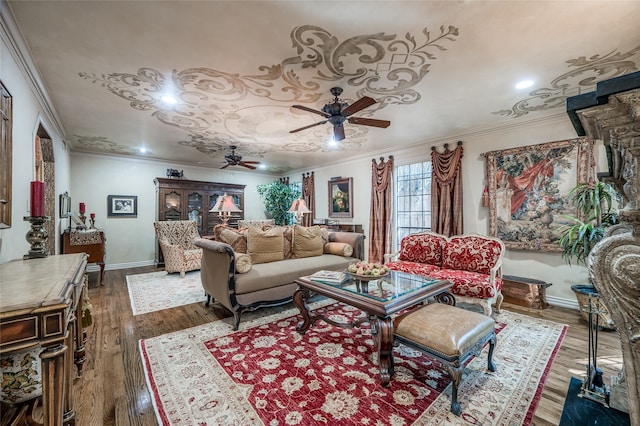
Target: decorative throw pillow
307,242
339,249
287,234
265,246
243,263
236,238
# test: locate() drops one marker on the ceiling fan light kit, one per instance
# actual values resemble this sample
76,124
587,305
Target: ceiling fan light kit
234,159
338,111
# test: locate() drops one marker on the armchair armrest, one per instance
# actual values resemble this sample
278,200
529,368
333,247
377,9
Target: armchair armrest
389,257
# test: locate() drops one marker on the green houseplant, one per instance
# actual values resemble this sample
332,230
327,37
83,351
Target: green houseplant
594,201
278,198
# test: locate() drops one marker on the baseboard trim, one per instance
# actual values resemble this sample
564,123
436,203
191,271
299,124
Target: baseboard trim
562,302
113,266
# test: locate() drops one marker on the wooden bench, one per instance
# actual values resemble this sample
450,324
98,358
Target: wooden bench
449,334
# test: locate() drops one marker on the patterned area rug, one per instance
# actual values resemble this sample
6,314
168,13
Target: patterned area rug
159,290
268,374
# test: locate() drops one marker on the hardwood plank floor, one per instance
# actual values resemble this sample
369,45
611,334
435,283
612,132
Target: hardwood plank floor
113,391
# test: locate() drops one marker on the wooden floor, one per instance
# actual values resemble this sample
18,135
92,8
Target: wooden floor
113,391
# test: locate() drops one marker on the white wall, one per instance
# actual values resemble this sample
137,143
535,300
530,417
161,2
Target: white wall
131,241
28,114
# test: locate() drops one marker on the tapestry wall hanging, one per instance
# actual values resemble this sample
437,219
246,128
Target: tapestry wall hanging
528,189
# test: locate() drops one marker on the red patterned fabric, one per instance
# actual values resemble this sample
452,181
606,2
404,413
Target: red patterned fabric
466,283
471,253
423,248
415,268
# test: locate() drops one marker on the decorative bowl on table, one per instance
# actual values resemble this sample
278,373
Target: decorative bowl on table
365,271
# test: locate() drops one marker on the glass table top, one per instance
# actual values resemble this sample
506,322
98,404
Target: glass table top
389,287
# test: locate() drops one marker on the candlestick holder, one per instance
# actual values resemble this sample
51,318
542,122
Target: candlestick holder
37,236
92,221
83,218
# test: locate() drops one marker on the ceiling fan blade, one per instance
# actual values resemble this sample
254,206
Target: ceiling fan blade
338,133
369,122
251,162
315,111
225,166
308,127
358,105
248,166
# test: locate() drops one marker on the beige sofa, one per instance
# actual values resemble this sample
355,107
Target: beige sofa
249,268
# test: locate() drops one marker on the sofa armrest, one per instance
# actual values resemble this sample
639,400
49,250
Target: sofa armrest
390,257
217,272
354,239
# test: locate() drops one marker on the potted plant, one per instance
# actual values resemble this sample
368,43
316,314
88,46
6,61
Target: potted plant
594,201
278,198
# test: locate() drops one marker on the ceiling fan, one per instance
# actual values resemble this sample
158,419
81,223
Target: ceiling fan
234,159
337,112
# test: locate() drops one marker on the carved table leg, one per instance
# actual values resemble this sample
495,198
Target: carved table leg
300,298
69,415
384,340
101,265
447,298
53,378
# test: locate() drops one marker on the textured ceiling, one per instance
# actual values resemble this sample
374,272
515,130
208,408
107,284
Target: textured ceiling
438,71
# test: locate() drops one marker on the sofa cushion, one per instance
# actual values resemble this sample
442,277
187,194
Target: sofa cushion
265,245
339,249
471,253
422,248
243,263
307,241
416,268
467,283
236,238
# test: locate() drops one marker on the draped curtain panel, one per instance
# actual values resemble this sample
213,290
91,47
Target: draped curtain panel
446,191
309,197
381,208
49,177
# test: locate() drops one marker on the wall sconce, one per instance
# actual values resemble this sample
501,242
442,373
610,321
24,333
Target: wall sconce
225,206
298,208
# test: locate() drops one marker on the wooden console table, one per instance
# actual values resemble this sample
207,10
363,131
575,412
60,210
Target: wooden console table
91,242
40,306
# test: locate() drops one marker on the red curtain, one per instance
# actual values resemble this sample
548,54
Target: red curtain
446,191
309,196
381,207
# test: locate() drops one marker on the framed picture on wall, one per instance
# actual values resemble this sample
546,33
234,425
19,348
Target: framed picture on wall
65,205
122,206
341,197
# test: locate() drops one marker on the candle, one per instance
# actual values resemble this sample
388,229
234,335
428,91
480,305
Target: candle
93,215
37,198
82,208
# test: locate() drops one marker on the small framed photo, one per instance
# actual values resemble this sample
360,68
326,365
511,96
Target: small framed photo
122,206
341,197
65,205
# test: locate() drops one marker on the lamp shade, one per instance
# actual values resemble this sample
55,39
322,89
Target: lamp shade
298,208
225,203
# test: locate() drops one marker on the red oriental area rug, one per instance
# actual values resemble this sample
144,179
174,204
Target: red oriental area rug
268,374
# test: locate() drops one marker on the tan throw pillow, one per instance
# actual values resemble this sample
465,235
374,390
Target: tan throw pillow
307,242
243,263
339,249
236,238
265,246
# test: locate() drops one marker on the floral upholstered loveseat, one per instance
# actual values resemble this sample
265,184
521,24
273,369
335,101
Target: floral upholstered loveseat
472,262
176,239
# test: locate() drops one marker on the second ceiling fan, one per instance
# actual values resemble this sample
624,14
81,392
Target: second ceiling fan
338,111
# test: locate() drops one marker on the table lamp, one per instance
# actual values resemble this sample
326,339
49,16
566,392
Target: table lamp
224,206
298,208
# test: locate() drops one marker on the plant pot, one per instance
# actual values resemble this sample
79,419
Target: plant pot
585,293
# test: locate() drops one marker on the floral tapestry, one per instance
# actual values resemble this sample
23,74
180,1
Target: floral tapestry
528,189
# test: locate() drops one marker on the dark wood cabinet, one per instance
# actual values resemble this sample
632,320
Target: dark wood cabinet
182,199
90,242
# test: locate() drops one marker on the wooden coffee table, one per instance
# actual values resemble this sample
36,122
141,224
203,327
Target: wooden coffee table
379,299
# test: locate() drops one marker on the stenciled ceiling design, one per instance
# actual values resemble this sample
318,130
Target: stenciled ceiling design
440,71
212,109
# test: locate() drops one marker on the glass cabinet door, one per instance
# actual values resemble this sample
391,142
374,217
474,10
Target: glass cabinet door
194,208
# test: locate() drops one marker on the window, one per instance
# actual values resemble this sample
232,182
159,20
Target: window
413,199
5,157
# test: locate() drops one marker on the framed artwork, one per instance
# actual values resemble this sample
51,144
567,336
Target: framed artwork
122,206
65,205
341,197
528,189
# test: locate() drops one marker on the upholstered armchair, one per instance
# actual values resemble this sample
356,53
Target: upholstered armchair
176,242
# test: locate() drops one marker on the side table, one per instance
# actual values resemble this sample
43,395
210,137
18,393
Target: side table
91,242
525,291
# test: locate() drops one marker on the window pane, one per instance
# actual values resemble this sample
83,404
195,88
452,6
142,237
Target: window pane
413,199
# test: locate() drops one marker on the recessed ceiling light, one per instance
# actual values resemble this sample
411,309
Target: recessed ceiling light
142,150
262,166
524,84
168,99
